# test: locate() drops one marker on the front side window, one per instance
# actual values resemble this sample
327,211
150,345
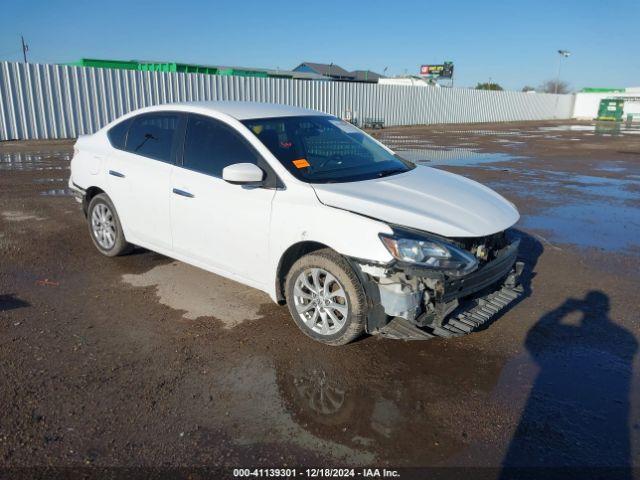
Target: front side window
210,145
323,149
152,135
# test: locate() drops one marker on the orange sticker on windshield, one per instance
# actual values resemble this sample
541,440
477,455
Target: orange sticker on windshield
301,163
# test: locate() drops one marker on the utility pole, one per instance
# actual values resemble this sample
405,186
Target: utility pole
25,49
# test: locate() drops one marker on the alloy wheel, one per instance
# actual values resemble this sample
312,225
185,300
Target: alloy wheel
103,226
321,301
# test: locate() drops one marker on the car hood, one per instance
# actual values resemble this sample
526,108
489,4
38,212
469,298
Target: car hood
425,199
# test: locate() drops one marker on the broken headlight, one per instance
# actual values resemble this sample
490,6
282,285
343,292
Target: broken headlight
429,252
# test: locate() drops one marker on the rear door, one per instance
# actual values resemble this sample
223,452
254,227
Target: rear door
215,223
140,177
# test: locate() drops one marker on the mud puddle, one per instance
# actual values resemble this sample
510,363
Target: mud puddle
19,216
580,209
480,133
57,192
609,188
450,156
386,407
614,128
49,180
36,160
254,387
612,227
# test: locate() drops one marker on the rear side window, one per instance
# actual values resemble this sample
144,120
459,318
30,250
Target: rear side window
152,135
210,145
118,134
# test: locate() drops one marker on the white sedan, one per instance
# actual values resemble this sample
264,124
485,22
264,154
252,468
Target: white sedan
306,207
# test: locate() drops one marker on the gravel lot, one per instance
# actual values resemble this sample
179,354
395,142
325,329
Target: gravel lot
141,360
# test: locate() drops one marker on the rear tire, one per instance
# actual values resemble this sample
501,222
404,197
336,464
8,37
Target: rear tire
326,298
105,228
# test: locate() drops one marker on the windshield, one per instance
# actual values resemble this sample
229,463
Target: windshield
322,149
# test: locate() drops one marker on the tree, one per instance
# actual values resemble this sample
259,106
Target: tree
488,86
550,87
528,88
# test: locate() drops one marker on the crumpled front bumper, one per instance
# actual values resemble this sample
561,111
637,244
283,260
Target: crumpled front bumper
477,314
416,303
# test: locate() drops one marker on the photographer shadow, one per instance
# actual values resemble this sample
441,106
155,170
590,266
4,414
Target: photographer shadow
577,413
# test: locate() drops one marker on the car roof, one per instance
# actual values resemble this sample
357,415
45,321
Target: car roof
243,110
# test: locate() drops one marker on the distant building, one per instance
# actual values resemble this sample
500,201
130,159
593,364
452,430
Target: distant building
590,101
366,76
336,72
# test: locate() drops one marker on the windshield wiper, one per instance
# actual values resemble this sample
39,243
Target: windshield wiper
389,171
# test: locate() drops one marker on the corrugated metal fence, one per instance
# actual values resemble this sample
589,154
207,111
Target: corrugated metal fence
57,101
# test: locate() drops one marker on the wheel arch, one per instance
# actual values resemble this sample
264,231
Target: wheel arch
288,258
88,195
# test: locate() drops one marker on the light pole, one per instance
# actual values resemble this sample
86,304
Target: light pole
25,49
563,54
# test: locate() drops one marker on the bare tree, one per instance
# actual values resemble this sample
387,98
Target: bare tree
553,86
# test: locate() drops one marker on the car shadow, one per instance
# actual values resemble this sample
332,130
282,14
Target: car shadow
11,302
576,419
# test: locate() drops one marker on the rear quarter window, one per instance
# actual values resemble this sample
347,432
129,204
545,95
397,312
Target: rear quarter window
152,135
118,134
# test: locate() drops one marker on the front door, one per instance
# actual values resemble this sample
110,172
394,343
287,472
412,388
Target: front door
218,224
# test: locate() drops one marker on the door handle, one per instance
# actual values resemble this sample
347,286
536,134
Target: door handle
116,174
182,193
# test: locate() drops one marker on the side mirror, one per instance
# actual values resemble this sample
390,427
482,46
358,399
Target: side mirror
242,173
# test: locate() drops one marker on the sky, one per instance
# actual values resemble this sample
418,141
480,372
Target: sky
513,43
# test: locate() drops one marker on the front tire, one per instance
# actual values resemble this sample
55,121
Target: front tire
326,298
105,228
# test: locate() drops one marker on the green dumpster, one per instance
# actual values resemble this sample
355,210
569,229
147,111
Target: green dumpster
611,109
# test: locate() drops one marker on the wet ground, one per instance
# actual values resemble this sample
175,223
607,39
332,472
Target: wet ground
141,360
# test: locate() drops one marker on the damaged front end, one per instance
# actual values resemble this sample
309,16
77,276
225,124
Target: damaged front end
440,286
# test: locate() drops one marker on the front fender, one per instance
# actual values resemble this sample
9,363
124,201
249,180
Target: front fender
295,219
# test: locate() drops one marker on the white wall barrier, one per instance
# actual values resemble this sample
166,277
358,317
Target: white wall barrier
39,101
